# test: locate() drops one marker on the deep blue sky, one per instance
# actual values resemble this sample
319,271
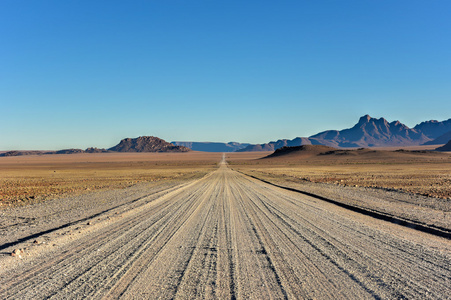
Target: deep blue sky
89,73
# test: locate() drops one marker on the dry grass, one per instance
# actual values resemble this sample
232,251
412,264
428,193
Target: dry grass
29,179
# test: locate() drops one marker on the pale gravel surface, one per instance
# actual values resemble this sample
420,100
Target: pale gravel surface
431,211
224,236
20,222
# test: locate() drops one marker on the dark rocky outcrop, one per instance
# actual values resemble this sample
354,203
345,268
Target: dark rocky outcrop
147,144
446,147
96,150
301,150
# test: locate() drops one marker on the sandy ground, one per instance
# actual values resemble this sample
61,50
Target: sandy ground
224,236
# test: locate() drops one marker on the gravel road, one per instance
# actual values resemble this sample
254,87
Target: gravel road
224,236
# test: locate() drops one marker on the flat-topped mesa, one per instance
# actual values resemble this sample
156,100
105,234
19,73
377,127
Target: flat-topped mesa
147,144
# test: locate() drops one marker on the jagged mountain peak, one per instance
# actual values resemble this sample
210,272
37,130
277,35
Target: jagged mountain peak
365,119
368,132
368,120
371,132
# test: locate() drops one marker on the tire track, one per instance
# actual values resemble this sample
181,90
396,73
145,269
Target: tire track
431,229
360,265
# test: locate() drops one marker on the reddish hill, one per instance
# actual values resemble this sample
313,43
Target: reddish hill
147,144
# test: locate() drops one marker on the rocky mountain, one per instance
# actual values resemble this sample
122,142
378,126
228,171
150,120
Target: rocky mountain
433,129
271,146
368,132
212,147
371,132
446,147
147,144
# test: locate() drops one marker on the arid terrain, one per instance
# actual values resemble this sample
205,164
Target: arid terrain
186,225
415,171
35,178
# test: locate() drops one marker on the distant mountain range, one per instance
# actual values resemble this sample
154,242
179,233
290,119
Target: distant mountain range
370,132
212,147
140,144
271,146
64,151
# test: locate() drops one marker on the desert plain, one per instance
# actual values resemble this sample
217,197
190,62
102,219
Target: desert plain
36,178
233,226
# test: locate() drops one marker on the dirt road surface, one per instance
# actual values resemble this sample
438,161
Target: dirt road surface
226,236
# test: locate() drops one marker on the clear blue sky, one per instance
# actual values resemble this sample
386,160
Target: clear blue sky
89,73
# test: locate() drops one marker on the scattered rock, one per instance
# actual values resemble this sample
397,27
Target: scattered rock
36,242
17,253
